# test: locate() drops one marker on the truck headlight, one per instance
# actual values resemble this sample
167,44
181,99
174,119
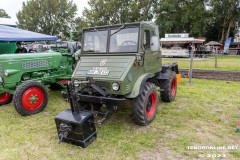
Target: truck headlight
76,83
115,86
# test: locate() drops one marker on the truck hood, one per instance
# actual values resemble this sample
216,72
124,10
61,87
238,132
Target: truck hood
103,67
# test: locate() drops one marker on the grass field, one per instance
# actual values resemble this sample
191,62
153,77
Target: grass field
205,113
224,63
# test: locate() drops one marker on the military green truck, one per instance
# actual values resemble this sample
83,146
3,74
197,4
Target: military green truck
119,65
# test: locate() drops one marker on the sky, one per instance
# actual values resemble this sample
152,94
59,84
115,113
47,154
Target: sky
13,6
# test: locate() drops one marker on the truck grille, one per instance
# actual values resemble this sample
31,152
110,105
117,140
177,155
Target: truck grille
103,85
1,71
36,64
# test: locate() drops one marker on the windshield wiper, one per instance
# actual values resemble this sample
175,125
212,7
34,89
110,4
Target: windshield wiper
120,28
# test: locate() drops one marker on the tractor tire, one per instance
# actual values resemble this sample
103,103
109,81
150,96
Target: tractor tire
30,98
5,98
145,105
168,88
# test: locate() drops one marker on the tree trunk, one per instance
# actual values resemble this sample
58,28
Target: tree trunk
223,33
228,30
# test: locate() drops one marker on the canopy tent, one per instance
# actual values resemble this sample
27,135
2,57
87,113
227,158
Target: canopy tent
213,43
10,34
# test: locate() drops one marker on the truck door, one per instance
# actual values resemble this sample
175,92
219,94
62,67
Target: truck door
152,61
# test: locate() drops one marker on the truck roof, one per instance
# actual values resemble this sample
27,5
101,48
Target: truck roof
118,25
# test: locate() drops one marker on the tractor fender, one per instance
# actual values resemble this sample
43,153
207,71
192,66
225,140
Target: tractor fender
139,85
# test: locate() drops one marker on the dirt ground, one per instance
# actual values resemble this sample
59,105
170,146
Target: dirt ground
212,74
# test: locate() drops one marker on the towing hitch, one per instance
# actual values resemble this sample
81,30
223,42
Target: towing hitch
77,125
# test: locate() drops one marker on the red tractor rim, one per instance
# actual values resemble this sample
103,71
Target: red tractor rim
4,97
32,99
173,87
151,105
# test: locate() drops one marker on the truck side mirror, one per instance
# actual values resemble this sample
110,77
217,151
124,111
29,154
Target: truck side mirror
154,44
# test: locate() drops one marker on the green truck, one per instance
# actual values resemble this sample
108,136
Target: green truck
119,65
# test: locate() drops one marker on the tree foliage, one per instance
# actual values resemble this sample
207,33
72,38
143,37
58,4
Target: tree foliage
53,17
4,14
104,12
225,14
213,19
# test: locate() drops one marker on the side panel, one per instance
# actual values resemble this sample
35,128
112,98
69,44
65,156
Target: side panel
138,86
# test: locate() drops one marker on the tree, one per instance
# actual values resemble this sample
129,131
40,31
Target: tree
176,16
4,14
53,17
226,13
105,12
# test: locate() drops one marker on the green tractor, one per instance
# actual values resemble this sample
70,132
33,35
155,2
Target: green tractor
25,77
119,65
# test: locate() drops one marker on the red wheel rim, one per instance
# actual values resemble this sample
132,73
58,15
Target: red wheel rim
151,105
173,87
4,97
32,99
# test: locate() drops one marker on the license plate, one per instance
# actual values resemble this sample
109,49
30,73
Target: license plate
98,71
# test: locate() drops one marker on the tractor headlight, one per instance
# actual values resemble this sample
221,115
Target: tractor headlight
6,72
115,86
76,83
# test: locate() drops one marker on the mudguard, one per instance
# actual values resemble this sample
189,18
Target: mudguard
164,74
139,85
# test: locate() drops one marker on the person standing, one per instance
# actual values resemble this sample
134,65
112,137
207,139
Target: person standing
190,48
20,49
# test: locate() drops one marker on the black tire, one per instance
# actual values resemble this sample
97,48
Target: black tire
30,98
169,88
5,98
58,85
145,105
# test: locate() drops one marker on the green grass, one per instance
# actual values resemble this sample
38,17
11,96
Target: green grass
204,113
224,63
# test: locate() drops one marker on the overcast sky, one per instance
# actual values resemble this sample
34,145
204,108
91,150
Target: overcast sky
13,6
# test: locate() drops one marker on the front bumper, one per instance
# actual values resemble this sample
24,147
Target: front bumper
101,99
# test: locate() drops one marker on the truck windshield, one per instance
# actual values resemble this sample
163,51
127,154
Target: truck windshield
95,41
124,40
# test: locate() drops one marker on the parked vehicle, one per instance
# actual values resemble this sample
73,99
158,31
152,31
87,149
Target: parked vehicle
119,65
24,77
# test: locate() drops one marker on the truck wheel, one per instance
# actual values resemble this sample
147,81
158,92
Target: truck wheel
145,105
5,98
169,88
30,98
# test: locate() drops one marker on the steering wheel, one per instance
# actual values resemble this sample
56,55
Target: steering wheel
127,43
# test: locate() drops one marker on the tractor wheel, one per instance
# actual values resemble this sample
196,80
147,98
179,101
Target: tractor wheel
30,98
145,105
5,98
58,85
168,88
